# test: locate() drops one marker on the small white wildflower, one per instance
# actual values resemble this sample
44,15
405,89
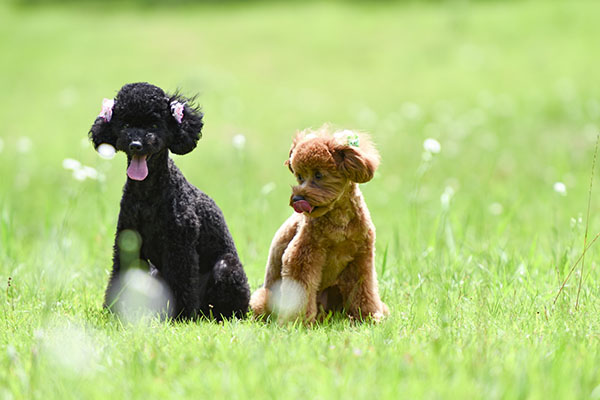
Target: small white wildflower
268,188
239,141
560,188
446,197
79,174
68,97
366,117
432,146
24,144
496,208
411,110
69,163
90,172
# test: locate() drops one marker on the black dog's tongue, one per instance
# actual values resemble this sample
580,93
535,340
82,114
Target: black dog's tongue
301,206
138,169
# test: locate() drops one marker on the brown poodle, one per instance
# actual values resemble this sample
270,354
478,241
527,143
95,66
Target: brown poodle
322,257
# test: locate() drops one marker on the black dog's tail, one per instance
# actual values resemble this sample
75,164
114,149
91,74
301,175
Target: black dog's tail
228,293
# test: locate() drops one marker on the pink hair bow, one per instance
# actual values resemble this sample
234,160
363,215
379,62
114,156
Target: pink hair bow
107,109
177,110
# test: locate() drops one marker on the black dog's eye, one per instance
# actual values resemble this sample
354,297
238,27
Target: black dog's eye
125,126
318,175
154,126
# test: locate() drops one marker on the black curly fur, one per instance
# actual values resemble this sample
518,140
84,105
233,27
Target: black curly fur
184,234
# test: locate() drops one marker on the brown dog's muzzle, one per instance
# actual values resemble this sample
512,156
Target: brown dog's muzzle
300,204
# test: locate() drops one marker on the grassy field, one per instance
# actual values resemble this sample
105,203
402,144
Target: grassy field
472,245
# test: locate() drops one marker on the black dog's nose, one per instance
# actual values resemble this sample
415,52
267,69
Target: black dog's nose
135,145
297,198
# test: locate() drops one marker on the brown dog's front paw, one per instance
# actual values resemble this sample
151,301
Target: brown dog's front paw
259,302
380,315
386,310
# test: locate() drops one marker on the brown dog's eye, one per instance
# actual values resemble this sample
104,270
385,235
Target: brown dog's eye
318,175
299,177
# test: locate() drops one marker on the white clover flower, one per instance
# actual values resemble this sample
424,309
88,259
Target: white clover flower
560,188
496,208
69,163
90,172
106,151
366,117
79,174
411,110
432,146
24,144
446,197
268,188
239,141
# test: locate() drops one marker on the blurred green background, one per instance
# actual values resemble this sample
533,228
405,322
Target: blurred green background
508,89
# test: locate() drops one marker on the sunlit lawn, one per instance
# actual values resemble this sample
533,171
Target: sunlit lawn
473,242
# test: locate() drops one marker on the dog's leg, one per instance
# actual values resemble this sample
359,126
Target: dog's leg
183,278
113,289
111,294
358,284
228,293
259,303
303,264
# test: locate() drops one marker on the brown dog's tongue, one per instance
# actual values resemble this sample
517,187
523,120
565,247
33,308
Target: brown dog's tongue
301,206
138,169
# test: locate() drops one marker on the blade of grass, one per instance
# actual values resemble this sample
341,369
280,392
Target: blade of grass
587,222
574,266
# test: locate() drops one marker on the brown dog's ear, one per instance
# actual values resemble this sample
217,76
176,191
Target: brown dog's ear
357,159
299,136
288,164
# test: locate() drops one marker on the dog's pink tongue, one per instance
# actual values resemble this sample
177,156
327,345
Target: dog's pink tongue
138,169
301,206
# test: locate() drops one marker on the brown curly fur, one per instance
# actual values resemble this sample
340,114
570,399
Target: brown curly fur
329,251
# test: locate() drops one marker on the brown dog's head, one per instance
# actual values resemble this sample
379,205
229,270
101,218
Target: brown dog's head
325,164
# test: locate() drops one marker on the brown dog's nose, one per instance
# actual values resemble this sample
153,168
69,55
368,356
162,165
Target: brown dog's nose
135,145
297,198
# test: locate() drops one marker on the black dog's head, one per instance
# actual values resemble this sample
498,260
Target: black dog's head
143,121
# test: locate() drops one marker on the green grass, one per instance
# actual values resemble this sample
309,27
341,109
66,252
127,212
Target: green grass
510,90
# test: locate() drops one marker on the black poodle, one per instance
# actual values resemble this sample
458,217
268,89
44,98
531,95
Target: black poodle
184,237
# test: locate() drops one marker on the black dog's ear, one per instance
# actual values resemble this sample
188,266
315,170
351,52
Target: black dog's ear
186,124
101,131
